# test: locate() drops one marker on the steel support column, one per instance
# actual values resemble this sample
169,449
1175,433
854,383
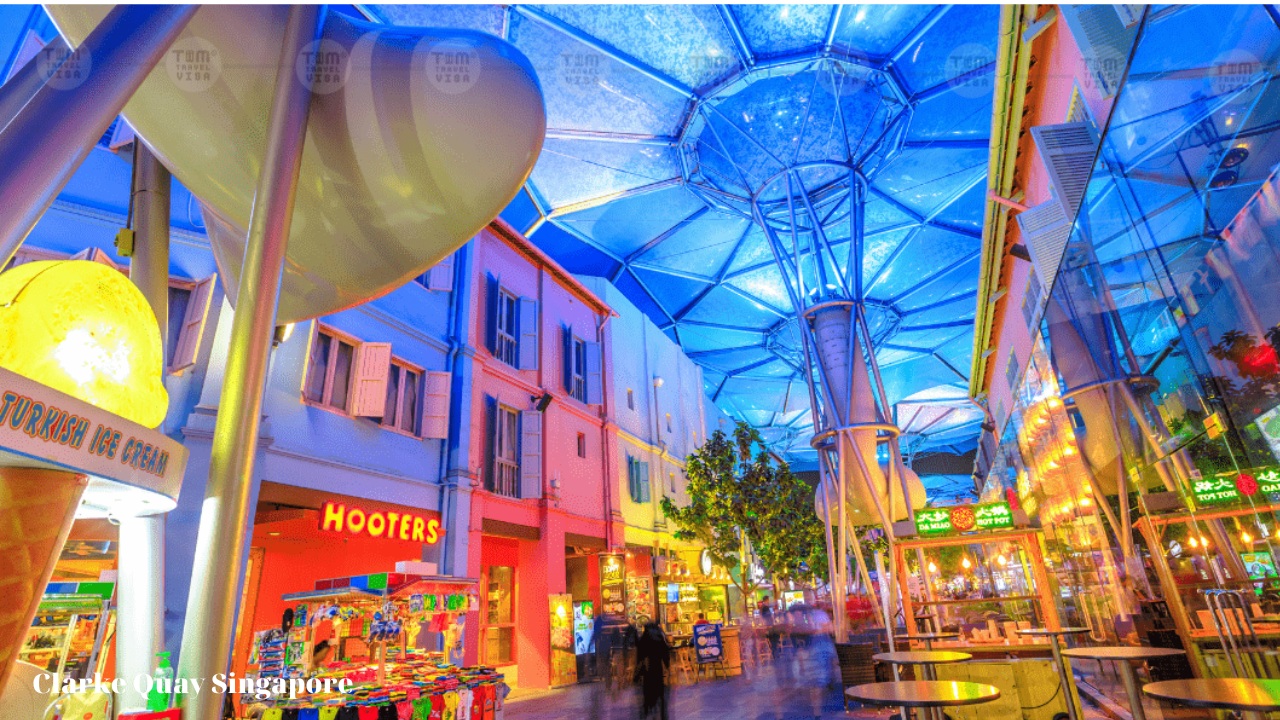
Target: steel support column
141,557
54,131
225,520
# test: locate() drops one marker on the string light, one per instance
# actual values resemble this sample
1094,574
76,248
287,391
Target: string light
932,568
965,562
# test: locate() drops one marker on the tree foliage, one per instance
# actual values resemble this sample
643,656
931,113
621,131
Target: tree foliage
739,491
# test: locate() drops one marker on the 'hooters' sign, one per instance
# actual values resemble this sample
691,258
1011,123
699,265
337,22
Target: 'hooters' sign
338,518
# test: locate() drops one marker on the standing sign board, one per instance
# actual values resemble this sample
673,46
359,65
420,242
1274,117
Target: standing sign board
706,643
613,588
564,664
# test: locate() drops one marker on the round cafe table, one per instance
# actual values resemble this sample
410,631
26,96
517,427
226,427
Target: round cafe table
929,694
926,659
928,638
1251,697
1123,655
1064,674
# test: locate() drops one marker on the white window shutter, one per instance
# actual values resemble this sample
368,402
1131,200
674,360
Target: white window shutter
528,317
188,345
1105,38
371,372
440,276
1068,152
435,405
1045,230
530,454
595,380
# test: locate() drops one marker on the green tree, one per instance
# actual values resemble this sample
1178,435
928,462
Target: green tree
744,501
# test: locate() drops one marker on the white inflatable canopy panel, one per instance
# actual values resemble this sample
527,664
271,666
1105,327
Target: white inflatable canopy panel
418,137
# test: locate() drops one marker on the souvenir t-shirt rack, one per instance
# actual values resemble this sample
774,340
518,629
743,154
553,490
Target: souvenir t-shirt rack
396,638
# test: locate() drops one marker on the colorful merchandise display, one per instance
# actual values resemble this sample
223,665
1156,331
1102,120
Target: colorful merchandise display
374,647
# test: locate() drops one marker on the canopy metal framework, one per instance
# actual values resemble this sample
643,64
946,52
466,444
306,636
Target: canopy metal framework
666,123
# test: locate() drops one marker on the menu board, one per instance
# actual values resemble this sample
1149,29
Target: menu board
639,598
706,643
613,592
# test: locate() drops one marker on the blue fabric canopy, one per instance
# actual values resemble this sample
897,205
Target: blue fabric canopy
666,120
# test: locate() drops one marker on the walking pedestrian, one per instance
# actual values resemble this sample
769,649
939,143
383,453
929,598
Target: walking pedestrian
653,658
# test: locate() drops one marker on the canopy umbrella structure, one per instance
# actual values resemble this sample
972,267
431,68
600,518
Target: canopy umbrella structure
666,122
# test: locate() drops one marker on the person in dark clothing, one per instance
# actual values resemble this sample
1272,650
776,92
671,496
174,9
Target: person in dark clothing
653,657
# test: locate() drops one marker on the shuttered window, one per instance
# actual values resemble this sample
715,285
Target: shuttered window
638,479
578,370
329,371
504,478
511,326
404,390
439,277
583,378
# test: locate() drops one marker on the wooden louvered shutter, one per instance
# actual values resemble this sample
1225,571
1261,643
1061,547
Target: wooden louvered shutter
527,316
530,454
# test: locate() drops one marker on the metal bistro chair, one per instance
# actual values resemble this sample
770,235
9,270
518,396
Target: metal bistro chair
1246,655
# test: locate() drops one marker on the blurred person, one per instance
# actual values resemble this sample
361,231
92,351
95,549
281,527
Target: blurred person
702,620
653,659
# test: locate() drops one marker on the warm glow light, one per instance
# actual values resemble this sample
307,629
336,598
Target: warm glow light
1085,502
1193,542
1001,560
1245,537
82,328
966,564
932,568
1204,542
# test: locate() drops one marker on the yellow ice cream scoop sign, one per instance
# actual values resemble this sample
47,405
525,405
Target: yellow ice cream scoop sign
82,328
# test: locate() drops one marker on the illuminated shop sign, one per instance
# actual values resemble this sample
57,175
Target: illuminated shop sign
964,518
1232,488
338,518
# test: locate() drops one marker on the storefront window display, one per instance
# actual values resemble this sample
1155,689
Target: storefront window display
1163,331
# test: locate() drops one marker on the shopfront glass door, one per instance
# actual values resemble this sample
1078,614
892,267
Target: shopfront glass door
499,615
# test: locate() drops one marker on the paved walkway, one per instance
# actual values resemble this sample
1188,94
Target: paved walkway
803,687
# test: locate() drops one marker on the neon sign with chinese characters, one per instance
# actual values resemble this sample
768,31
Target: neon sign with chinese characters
964,518
1231,488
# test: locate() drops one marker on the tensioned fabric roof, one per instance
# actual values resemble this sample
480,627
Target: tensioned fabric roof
665,120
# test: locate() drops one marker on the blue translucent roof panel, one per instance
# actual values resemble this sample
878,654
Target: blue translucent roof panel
876,30
780,29
701,247
697,48
485,18
628,224
586,89
666,123
571,172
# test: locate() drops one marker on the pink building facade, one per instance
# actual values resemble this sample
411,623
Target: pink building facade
539,509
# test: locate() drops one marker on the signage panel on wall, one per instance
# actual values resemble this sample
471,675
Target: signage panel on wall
1232,488
964,518
613,589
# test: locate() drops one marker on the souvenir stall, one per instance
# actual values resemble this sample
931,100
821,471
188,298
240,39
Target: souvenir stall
81,399
395,638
